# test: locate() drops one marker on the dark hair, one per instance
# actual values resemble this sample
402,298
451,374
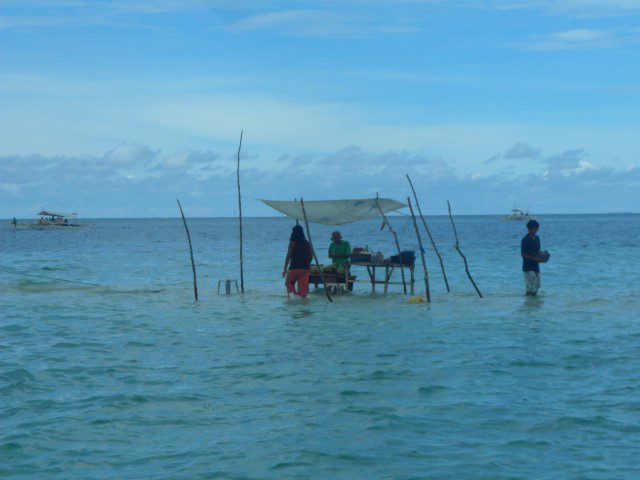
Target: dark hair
531,224
297,234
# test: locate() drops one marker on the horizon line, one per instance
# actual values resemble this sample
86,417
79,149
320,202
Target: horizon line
445,215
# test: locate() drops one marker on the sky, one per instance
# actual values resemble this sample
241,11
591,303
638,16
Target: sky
115,108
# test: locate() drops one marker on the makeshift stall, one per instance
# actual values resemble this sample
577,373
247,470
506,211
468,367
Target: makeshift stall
339,212
388,266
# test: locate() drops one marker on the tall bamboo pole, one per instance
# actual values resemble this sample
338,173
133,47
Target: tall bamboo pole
240,216
466,265
395,236
315,257
193,263
433,243
424,263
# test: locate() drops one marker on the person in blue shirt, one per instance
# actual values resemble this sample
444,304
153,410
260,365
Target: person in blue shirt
530,251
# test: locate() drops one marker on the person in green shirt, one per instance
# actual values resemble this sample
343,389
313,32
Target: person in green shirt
339,249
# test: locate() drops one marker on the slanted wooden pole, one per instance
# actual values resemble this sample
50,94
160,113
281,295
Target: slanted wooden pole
466,265
193,263
240,216
433,243
424,263
315,257
395,236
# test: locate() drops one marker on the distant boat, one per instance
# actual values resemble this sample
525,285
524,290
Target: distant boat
517,214
50,221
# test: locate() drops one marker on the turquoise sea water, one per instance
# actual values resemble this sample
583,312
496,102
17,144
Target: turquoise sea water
132,379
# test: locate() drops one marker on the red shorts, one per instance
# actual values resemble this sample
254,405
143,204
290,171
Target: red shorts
301,276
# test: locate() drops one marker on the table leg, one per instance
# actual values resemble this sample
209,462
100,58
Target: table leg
412,279
347,268
373,281
386,279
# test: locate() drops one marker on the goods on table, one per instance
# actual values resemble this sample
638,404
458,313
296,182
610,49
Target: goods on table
360,257
406,257
328,269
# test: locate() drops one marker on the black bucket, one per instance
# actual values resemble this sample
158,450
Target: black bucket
406,257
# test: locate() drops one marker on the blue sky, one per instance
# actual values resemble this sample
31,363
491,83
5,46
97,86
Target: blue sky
115,108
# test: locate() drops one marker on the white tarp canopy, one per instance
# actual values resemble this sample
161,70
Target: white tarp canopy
57,214
335,212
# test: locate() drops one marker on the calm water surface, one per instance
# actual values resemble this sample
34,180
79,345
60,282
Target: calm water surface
132,379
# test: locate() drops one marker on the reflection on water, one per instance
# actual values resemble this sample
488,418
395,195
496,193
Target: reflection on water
532,302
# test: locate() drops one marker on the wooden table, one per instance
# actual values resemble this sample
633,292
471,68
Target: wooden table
389,267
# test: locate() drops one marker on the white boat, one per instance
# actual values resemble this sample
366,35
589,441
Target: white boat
50,221
517,214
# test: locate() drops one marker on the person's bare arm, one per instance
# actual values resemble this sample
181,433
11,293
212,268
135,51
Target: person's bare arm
287,260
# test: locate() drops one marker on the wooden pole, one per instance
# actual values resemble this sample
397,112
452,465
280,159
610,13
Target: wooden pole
466,265
240,216
433,243
424,263
395,236
193,263
315,257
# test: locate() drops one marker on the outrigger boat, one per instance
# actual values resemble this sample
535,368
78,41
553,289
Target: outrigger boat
50,221
517,214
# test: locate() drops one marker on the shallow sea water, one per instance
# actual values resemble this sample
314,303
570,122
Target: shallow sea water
132,379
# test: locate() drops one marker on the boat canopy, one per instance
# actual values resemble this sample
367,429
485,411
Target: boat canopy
335,212
58,214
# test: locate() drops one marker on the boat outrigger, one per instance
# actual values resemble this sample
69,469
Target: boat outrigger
50,221
517,214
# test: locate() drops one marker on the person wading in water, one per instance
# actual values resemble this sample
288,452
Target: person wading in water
530,250
297,265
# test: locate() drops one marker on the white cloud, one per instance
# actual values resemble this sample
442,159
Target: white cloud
581,8
568,163
10,187
130,154
324,19
105,189
74,116
519,151
291,20
315,18
319,23
188,158
572,40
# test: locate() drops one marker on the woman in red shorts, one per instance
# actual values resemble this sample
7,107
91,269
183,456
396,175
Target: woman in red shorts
298,263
